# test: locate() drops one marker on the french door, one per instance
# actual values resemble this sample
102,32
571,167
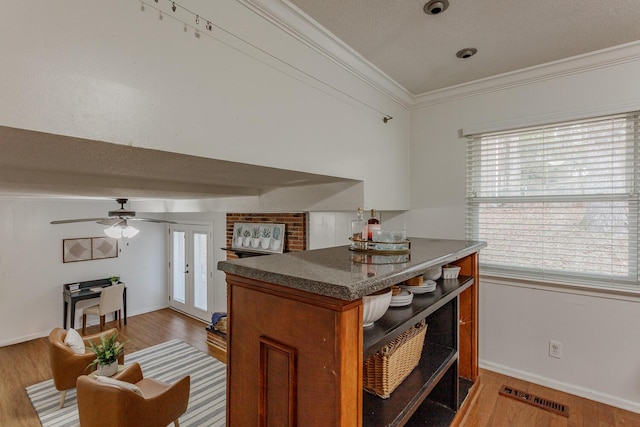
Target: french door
190,269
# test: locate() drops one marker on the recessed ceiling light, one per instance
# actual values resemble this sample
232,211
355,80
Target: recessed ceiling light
467,52
435,7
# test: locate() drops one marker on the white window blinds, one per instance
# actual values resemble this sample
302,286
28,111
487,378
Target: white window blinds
558,202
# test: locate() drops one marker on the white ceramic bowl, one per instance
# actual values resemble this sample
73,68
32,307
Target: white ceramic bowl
451,272
375,305
433,273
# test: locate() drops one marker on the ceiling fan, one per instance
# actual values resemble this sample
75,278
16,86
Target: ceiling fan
117,221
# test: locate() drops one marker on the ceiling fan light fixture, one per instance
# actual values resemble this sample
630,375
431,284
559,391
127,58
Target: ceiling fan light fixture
467,52
115,231
436,7
129,231
120,230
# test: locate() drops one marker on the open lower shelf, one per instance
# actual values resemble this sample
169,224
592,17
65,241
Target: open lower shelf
398,319
436,414
436,359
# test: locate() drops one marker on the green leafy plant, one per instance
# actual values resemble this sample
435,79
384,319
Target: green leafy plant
276,233
256,232
239,231
114,279
107,351
266,233
246,233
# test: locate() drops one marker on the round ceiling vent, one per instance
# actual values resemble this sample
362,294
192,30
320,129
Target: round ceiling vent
467,52
436,7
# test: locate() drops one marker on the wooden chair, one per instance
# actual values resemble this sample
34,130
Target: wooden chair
110,302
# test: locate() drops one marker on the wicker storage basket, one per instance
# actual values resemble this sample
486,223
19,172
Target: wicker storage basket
388,367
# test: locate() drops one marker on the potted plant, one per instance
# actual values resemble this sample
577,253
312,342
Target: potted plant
239,236
246,237
255,237
107,353
114,280
275,241
266,237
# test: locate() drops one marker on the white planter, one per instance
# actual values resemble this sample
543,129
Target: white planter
246,241
264,242
255,242
239,241
275,244
107,370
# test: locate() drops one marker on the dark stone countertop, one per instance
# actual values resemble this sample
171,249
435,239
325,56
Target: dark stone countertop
333,272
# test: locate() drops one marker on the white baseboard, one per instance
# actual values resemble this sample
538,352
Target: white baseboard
24,338
567,388
78,325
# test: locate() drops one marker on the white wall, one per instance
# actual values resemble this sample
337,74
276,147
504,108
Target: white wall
246,92
249,93
32,272
328,229
599,333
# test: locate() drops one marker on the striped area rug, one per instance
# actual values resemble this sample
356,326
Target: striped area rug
166,362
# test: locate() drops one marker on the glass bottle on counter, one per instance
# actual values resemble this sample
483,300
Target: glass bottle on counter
373,224
359,229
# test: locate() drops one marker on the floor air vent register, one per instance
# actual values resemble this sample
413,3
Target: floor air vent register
540,402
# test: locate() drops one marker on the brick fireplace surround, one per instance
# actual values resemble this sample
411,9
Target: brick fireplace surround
295,230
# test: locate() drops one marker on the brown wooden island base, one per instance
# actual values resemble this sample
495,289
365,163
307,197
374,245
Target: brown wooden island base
296,344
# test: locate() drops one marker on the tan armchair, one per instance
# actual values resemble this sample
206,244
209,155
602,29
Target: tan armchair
106,405
67,366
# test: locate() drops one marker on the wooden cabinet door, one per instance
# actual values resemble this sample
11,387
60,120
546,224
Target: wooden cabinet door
294,359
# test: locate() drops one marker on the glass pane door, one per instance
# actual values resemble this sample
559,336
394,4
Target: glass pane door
179,263
190,269
200,270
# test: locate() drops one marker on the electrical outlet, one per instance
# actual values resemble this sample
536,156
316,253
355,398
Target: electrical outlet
555,349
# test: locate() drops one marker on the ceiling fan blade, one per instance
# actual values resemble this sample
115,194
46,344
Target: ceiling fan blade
67,221
110,221
162,221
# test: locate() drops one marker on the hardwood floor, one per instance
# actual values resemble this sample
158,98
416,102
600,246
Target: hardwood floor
490,409
28,363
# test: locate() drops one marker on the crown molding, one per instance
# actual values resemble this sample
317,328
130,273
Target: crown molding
296,23
604,58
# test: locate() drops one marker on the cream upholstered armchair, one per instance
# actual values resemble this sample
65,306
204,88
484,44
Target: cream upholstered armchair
129,400
66,365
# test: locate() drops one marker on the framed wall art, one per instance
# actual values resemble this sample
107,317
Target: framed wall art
104,247
74,250
89,248
258,237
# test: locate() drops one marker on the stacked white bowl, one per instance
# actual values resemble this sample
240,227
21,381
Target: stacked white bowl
375,305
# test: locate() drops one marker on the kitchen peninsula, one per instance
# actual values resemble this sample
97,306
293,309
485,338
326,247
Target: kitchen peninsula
296,341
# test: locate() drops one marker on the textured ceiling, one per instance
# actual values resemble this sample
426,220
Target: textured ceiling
42,164
418,50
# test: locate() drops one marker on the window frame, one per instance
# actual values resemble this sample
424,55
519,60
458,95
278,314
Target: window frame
630,198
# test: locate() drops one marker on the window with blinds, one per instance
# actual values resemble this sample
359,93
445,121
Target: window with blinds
558,202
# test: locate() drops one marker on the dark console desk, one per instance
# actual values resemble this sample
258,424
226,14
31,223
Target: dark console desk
84,292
